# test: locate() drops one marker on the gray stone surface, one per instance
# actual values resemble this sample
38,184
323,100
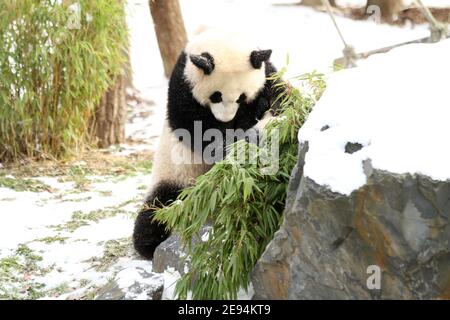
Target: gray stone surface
170,254
399,223
148,286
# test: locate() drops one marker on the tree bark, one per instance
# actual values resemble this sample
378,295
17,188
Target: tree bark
108,123
110,115
317,3
170,31
389,9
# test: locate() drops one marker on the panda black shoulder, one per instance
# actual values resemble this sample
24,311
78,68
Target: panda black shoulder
249,114
272,89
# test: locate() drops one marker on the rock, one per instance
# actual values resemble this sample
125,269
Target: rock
133,283
368,208
171,254
329,243
352,147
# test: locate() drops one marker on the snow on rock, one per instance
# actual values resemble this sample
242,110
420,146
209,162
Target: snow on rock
395,106
370,191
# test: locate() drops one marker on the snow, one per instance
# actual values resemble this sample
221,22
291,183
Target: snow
107,229
171,276
32,216
269,24
396,106
308,37
132,275
205,236
310,40
148,75
28,220
35,211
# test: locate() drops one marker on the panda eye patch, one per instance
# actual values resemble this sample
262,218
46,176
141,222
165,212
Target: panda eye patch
242,98
216,97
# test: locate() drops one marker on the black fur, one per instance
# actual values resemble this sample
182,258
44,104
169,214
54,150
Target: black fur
183,110
204,61
257,57
216,97
148,234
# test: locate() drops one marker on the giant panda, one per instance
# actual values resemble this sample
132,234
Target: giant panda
221,81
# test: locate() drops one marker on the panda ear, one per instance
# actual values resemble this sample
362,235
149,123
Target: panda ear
203,61
257,57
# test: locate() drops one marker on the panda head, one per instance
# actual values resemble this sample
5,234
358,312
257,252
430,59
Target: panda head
224,70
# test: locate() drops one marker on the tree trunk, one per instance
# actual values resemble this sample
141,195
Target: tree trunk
317,3
108,123
110,115
170,31
128,72
389,9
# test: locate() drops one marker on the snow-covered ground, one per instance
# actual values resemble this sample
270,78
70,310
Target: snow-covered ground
60,240
308,37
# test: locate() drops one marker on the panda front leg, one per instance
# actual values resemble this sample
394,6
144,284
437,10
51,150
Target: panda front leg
149,233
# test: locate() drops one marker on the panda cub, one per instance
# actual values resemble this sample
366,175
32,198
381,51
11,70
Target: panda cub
219,82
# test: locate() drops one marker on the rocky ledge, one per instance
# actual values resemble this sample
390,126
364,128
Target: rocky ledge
331,246
368,208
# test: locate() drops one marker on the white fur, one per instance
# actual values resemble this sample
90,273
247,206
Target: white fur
233,73
268,117
224,111
175,162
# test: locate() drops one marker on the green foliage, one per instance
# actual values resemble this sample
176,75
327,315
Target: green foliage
54,72
114,249
243,204
13,283
80,218
20,184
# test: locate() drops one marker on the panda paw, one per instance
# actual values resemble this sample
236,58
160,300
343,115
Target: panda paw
148,233
263,123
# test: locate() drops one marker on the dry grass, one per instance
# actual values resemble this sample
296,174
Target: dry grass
93,162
